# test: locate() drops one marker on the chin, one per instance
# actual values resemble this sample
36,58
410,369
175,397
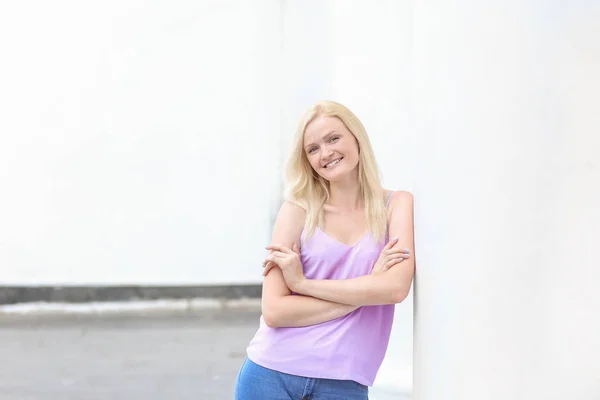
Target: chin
337,176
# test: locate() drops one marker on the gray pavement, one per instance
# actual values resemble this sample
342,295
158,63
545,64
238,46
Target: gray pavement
150,356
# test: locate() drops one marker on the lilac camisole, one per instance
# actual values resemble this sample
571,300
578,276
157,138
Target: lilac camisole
350,347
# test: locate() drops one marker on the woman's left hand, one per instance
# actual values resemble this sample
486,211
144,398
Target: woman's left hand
288,261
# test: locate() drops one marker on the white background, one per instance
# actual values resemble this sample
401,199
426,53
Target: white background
143,142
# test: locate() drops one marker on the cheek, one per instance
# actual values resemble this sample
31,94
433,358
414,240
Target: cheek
350,151
352,158
313,160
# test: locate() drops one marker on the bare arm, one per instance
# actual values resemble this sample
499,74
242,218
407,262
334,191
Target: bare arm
280,308
389,287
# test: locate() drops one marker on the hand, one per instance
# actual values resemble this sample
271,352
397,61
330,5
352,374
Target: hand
288,261
390,257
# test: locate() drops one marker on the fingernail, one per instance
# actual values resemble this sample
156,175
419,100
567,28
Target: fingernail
407,250
401,259
395,238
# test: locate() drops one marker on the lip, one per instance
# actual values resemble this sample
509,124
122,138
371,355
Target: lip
339,158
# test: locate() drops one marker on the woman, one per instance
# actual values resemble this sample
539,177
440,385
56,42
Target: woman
332,277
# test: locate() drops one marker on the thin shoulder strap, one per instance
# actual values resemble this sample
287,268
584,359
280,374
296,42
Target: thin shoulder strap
387,203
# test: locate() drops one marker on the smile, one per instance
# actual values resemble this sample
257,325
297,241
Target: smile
334,162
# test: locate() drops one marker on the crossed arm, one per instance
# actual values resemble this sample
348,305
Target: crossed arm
323,300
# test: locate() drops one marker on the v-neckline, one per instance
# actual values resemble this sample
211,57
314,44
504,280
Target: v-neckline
342,243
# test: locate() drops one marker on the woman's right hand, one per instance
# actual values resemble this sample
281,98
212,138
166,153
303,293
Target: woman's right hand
390,257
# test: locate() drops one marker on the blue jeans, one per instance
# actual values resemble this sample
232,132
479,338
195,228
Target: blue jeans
259,383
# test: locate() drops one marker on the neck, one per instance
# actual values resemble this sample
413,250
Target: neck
345,195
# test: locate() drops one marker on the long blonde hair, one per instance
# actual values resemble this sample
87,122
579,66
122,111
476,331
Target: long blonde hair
305,188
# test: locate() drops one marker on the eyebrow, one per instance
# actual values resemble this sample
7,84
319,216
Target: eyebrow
324,137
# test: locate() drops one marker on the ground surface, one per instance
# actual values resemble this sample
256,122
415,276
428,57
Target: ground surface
153,356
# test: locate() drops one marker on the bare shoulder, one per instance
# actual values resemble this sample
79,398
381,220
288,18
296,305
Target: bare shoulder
291,213
289,224
400,199
401,216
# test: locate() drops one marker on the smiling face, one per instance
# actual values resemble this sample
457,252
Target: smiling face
331,149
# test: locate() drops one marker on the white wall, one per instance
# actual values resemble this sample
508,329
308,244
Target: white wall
139,141
508,220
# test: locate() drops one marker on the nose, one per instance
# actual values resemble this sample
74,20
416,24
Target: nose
326,153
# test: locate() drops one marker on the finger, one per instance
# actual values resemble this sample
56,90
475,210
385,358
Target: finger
391,243
265,261
397,254
279,247
271,259
295,249
268,268
275,257
391,263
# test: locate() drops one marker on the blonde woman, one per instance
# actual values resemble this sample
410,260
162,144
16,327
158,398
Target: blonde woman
332,276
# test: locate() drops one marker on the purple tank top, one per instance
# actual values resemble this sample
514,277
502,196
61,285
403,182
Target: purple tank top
350,347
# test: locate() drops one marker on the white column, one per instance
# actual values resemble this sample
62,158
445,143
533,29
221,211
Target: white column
507,299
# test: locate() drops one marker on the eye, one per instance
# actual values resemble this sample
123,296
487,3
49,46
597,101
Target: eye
312,150
334,139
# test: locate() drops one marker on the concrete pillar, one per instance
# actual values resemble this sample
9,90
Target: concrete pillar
507,299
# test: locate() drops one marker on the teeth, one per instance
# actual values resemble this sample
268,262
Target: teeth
333,163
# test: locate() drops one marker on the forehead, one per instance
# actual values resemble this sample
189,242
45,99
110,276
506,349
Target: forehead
321,127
